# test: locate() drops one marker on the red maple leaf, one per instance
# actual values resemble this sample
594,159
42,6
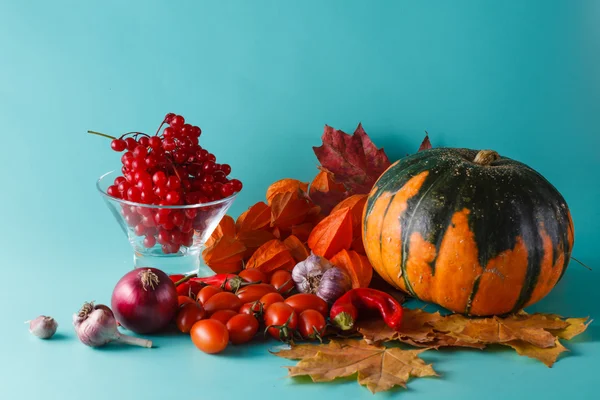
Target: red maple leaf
354,160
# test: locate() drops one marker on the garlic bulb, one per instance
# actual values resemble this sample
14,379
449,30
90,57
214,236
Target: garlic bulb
307,274
334,283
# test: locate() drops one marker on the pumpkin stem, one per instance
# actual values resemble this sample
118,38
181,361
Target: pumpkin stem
486,157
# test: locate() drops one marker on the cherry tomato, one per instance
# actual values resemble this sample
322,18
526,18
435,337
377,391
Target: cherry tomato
184,299
281,321
282,281
223,315
269,299
206,293
253,275
210,336
184,289
222,301
242,328
188,315
253,309
188,288
311,324
254,292
306,301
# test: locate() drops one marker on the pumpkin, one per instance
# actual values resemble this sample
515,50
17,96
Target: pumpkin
473,232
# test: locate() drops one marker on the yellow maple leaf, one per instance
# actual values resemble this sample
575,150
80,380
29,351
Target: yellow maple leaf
377,367
548,355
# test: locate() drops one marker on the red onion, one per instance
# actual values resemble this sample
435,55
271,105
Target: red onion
96,326
144,300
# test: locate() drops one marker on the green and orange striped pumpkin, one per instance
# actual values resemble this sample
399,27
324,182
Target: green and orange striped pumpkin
471,231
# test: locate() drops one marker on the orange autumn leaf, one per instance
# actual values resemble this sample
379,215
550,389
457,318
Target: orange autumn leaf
289,208
356,266
256,217
225,255
297,249
283,186
325,192
253,240
271,256
356,204
302,231
226,227
332,234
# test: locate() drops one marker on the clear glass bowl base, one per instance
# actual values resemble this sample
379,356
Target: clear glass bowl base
186,261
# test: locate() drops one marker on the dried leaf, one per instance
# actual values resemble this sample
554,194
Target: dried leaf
271,256
226,227
297,249
256,217
332,234
356,266
547,355
356,204
425,144
225,255
289,208
527,328
576,326
302,231
325,192
354,160
377,367
253,240
285,185
358,245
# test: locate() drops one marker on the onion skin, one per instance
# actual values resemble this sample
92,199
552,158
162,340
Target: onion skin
145,300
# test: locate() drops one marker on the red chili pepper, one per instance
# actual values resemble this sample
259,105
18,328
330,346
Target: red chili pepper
229,282
344,311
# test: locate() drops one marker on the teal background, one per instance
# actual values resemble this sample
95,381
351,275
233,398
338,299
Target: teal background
262,78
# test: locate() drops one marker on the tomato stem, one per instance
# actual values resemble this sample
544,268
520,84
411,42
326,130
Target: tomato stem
185,279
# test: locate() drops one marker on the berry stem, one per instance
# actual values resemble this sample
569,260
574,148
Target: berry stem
102,134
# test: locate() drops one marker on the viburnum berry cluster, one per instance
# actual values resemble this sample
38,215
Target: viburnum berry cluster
168,169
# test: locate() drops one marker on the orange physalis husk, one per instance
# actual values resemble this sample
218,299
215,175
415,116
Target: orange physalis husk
271,256
297,249
356,266
325,192
358,245
285,185
332,235
257,217
356,204
226,227
277,233
253,240
302,231
225,255
289,208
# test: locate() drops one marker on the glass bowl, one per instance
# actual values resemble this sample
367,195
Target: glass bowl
169,238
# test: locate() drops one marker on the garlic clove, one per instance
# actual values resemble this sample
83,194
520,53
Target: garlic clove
43,327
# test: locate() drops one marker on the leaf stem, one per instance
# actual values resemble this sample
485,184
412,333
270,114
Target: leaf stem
101,134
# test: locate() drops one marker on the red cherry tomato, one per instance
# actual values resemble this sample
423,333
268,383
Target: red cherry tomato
254,292
206,293
253,309
311,324
282,281
222,301
281,321
242,328
210,336
184,299
306,301
188,315
270,298
223,315
253,275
